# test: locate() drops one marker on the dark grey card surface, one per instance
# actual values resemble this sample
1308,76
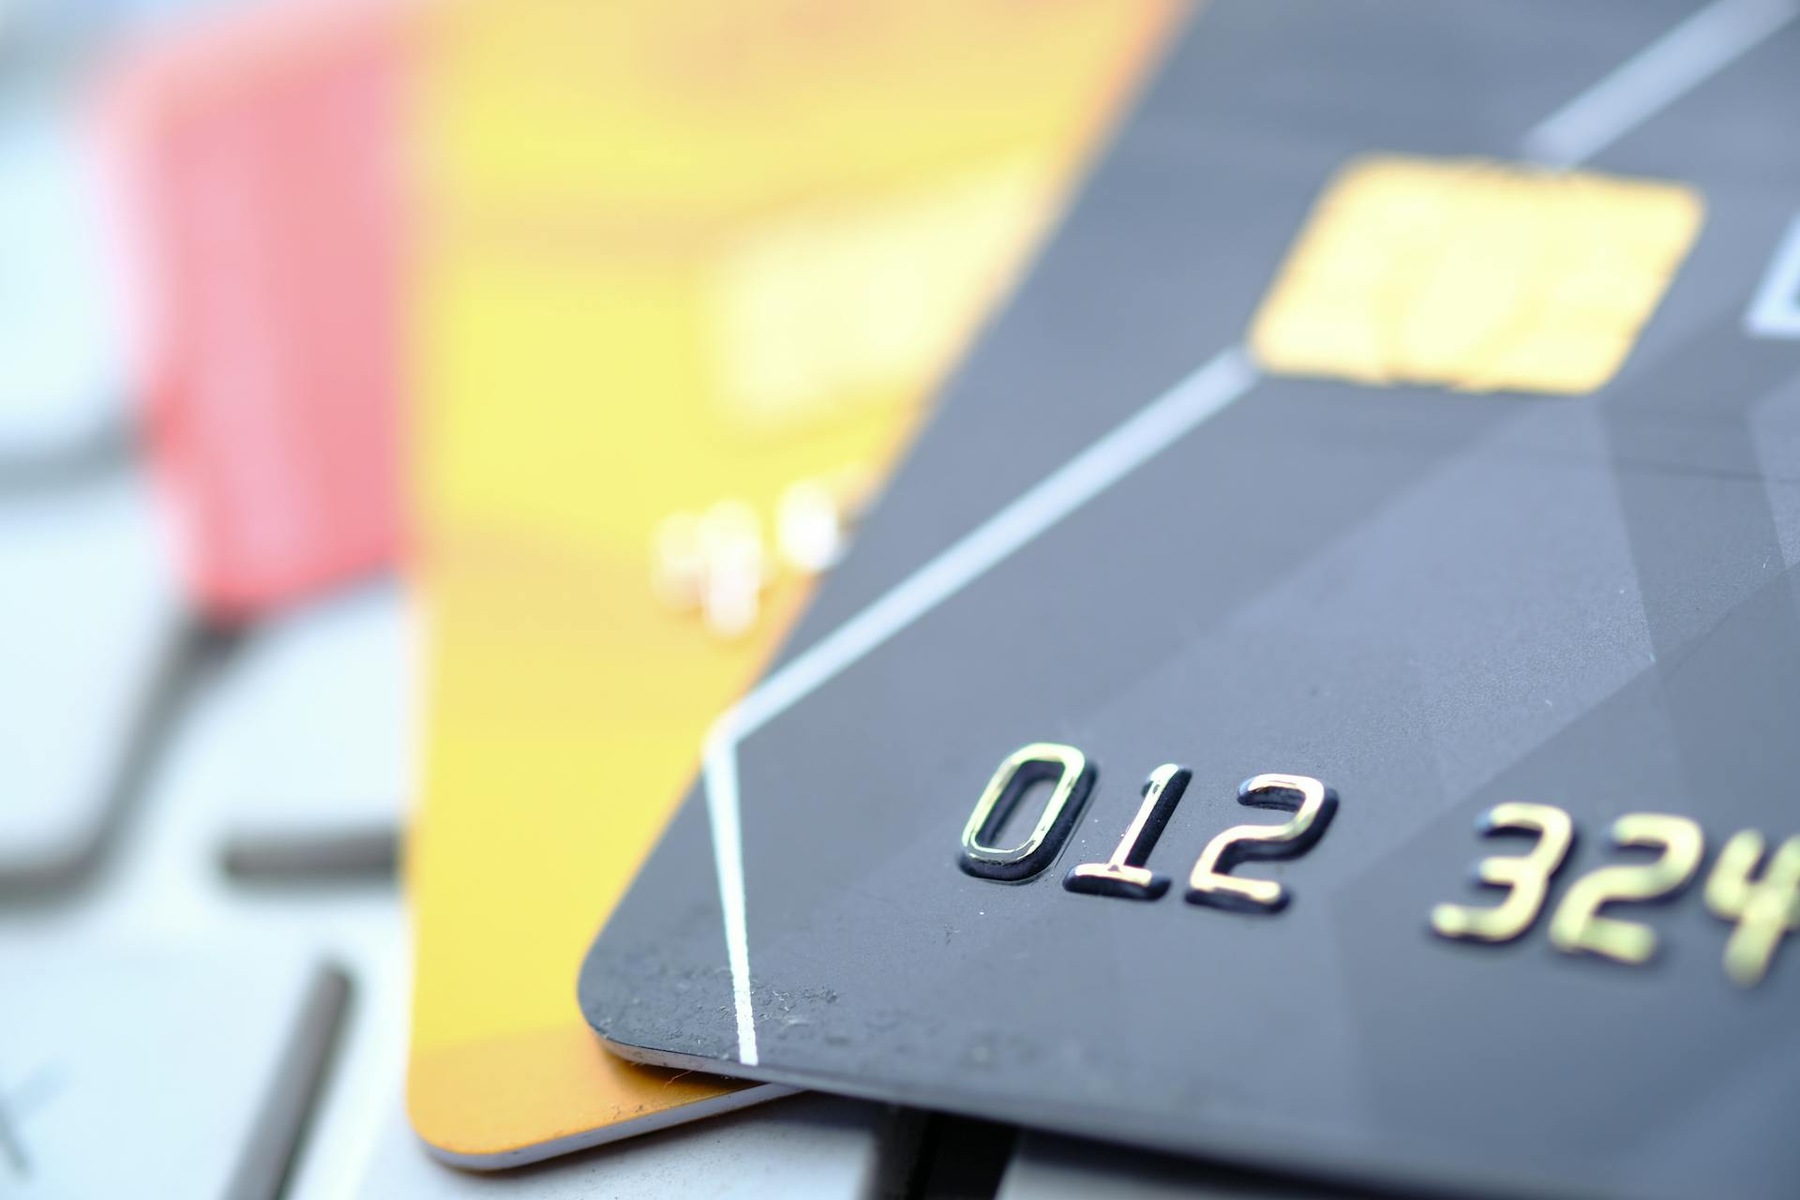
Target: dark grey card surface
1570,621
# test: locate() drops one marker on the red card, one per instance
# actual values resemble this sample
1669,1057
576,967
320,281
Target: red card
261,197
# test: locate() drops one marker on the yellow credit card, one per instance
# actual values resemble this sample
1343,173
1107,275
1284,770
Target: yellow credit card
687,272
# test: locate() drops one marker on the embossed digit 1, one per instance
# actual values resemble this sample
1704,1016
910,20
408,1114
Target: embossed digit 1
1313,810
1766,909
1023,769
1526,876
1578,927
1124,873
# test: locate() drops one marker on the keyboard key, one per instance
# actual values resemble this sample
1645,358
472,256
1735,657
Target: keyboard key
962,1157
1045,1167
134,1072
805,1146
62,389
321,758
165,886
90,629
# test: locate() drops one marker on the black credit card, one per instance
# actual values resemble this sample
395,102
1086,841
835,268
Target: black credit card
1389,476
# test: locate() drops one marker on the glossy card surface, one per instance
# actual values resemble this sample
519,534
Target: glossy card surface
691,273
1541,623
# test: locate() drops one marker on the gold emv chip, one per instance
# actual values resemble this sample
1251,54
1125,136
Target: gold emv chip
1475,275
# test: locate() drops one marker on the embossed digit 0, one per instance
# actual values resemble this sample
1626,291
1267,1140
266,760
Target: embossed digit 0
1313,805
1021,771
1525,876
1578,927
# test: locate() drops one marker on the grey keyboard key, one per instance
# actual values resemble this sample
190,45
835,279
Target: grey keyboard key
962,1157
323,772
90,630
139,1072
1046,1167
804,1147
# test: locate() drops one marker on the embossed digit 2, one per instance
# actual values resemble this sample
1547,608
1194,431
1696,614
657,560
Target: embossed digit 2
1578,927
1313,804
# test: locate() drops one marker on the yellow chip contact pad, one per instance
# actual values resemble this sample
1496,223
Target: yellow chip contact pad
1474,275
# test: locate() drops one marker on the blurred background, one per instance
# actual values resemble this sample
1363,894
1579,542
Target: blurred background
416,421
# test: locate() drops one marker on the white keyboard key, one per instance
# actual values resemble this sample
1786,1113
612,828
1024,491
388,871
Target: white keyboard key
165,886
63,387
137,1072
89,626
1045,1167
806,1147
323,773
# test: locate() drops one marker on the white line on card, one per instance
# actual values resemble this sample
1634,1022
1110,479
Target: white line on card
1140,438
1658,75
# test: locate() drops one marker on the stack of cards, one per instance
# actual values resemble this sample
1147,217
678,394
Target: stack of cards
1311,697
689,275
1386,474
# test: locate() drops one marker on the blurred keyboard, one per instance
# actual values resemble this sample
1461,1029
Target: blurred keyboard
202,932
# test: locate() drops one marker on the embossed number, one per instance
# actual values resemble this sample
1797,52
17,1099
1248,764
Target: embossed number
1766,908
1526,876
1578,927
1313,804
1124,873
